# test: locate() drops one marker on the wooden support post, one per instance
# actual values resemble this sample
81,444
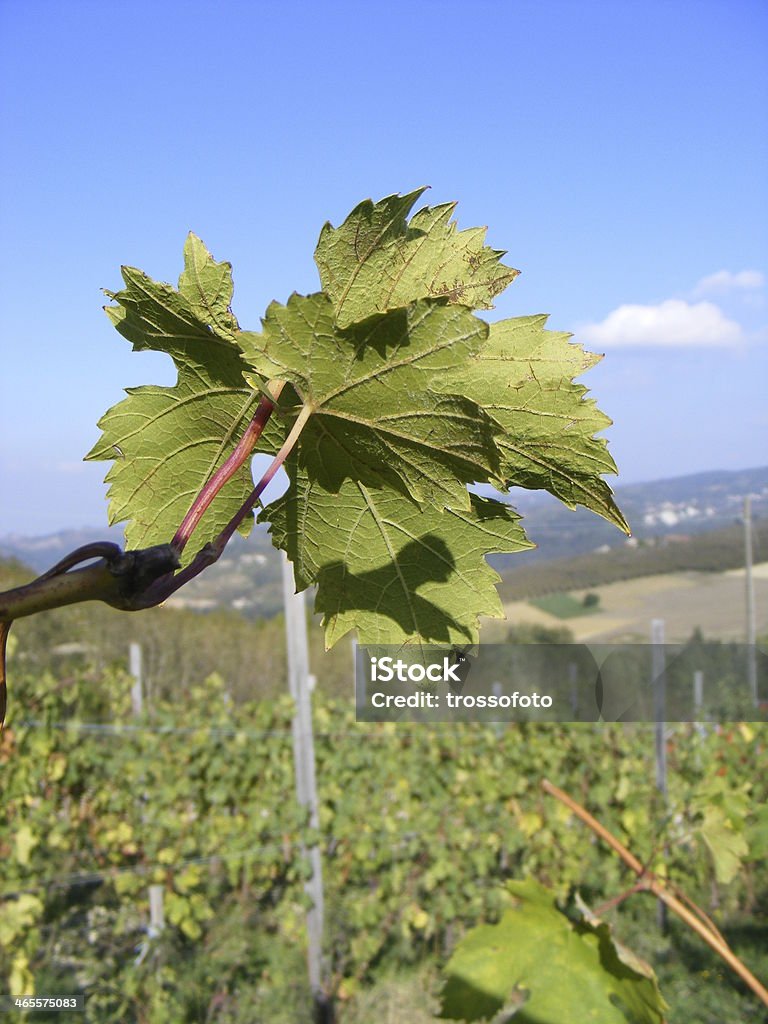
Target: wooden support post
156,911
306,784
698,694
573,679
137,695
659,703
750,605
658,672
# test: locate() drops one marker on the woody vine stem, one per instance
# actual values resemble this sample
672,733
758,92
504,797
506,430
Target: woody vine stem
134,580
648,882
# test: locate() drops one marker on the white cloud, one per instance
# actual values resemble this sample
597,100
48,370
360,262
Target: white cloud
727,281
671,323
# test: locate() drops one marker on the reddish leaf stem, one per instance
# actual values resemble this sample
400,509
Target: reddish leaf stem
163,588
253,498
639,886
226,471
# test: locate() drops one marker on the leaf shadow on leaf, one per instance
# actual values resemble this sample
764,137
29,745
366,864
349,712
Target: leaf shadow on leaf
466,1002
383,332
391,590
380,331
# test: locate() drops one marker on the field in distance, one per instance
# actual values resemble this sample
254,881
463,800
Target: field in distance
713,602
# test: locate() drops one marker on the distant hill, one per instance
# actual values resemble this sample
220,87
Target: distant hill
679,507
711,551
247,577
41,553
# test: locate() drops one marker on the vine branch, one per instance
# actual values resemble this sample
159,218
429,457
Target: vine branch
119,578
652,883
134,580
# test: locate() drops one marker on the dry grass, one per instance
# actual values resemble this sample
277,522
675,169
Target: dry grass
406,998
715,602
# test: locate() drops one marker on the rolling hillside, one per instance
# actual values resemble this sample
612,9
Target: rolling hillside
710,552
686,523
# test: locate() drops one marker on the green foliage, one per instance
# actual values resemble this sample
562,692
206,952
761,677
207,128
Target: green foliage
373,418
420,830
724,810
398,398
405,995
565,606
545,968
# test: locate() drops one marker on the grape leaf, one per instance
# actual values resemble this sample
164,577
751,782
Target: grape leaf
396,573
168,441
373,415
570,970
404,398
523,377
727,846
377,260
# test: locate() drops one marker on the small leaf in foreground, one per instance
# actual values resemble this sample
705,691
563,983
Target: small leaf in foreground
727,846
572,971
377,260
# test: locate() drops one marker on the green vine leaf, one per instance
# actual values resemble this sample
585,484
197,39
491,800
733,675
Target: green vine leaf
168,441
523,377
727,846
398,399
207,286
372,413
377,260
570,970
394,572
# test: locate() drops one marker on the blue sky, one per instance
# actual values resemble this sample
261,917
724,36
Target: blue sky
616,148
